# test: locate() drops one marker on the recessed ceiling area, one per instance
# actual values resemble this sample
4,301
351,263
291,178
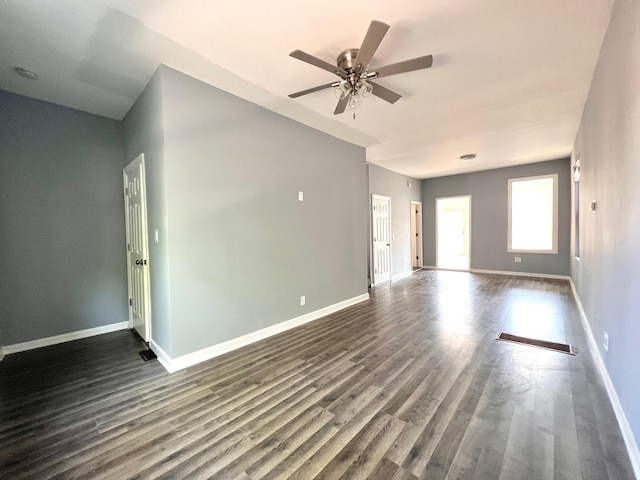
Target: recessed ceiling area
509,79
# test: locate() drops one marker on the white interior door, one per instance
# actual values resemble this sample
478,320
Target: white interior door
381,226
137,247
453,225
416,234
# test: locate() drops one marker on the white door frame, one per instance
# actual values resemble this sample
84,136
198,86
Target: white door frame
416,231
373,275
468,233
145,243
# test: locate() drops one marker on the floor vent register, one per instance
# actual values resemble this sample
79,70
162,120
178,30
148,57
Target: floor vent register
557,347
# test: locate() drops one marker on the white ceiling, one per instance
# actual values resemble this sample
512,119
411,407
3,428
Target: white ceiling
509,80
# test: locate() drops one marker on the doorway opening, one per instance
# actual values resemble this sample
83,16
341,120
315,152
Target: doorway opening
453,232
381,233
416,235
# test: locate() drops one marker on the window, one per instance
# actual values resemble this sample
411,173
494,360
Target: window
576,221
576,207
533,214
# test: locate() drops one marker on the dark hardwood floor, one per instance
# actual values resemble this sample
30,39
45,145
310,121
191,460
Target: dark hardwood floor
409,385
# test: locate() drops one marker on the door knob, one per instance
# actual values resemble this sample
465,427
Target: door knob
138,262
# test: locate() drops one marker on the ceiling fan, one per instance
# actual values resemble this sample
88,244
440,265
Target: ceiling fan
352,66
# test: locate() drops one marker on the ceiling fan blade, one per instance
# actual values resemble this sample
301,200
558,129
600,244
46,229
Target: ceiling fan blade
370,44
384,93
317,62
311,90
342,105
406,66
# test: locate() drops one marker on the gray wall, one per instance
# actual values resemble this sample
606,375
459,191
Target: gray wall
242,249
144,133
392,184
608,142
489,210
62,239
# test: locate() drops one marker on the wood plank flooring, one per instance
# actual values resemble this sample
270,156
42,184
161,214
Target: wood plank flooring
409,385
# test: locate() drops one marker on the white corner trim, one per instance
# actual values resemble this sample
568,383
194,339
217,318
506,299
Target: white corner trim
623,422
190,359
65,337
521,274
163,357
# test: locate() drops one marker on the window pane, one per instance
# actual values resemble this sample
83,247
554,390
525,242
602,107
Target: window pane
577,218
532,214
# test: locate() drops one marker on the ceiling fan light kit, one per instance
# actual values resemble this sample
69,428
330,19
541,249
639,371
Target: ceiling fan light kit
352,66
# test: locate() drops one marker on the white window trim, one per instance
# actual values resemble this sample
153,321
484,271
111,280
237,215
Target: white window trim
554,249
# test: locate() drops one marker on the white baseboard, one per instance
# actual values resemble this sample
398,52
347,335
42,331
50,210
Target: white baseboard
623,422
190,359
401,276
521,274
1,353
504,272
65,337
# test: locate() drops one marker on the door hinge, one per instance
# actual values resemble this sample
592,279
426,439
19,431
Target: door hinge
128,246
126,190
130,302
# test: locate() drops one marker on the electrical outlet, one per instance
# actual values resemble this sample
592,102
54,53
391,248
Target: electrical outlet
605,344
303,301
518,259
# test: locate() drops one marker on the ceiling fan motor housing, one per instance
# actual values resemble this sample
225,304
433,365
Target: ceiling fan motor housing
346,60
